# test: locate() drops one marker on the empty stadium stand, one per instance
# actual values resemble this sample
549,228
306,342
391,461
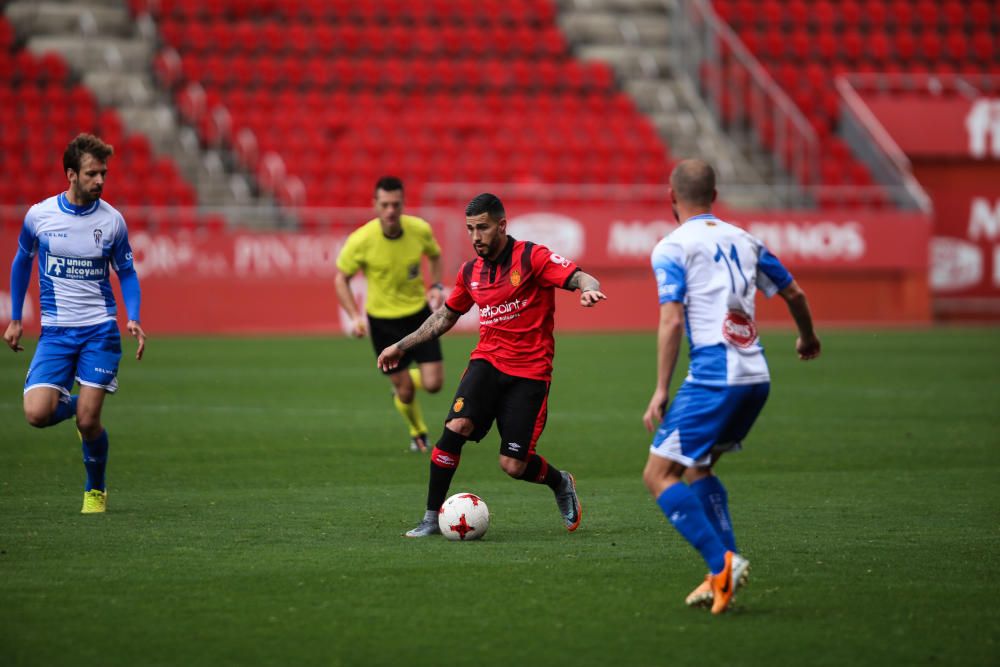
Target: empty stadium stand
70,67
319,98
805,44
635,38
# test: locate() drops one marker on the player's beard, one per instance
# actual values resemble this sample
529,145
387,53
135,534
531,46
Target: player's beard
484,250
86,196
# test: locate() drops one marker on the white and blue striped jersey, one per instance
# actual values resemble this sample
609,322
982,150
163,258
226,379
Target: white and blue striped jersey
76,246
715,269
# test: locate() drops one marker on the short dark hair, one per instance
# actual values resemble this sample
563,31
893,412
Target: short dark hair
82,145
389,184
693,182
485,203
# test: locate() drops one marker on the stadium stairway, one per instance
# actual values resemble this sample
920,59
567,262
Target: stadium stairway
633,36
112,54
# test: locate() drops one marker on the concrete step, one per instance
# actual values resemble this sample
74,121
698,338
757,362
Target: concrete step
605,28
158,122
121,89
618,5
88,55
116,4
630,61
595,28
58,18
652,95
645,28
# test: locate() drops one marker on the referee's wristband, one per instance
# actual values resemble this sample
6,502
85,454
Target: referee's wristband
437,286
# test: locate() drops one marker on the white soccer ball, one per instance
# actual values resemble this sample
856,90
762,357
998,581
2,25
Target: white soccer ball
464,516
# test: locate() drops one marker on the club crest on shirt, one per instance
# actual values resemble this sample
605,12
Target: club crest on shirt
515,277
97,237
459,404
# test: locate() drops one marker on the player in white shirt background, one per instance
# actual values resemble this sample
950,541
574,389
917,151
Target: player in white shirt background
707,274
77,238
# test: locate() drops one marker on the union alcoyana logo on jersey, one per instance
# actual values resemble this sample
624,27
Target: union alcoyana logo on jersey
75,268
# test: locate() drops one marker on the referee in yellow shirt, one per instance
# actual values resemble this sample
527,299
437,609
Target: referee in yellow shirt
388,251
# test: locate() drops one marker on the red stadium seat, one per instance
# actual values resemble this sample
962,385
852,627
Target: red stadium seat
774,44
901,13
799,46
852,46
827,46
981,13
824,14
957,47
875,15
7,35
878,47
906,46
954,13
850,13
930,43
797,13
984,47
928,14
771,11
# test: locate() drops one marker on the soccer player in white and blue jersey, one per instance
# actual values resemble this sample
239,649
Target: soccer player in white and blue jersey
77,238
707,273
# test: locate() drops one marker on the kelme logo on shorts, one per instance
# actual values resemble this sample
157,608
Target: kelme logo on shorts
76,268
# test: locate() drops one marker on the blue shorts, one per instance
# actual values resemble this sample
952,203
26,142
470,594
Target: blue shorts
706,420
88,355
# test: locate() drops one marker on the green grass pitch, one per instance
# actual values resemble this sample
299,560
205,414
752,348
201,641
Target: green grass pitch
259,489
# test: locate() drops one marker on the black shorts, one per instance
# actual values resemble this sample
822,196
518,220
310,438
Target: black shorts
520,407
386,331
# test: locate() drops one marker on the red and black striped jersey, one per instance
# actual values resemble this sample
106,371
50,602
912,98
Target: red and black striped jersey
516,300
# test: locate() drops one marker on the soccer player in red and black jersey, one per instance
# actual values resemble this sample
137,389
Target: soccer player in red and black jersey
513,283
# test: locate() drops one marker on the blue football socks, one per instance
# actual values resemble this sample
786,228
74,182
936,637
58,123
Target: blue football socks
683,509
65,408
95,460
715,500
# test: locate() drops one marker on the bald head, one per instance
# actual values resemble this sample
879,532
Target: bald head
693,183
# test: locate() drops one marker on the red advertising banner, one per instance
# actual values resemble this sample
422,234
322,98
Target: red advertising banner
199,282
953,142
965,250
946,126
203,282
616,236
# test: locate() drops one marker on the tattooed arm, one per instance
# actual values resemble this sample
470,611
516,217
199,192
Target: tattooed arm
434,326
590,288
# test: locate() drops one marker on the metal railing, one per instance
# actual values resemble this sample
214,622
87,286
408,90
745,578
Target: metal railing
745,100
876,148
